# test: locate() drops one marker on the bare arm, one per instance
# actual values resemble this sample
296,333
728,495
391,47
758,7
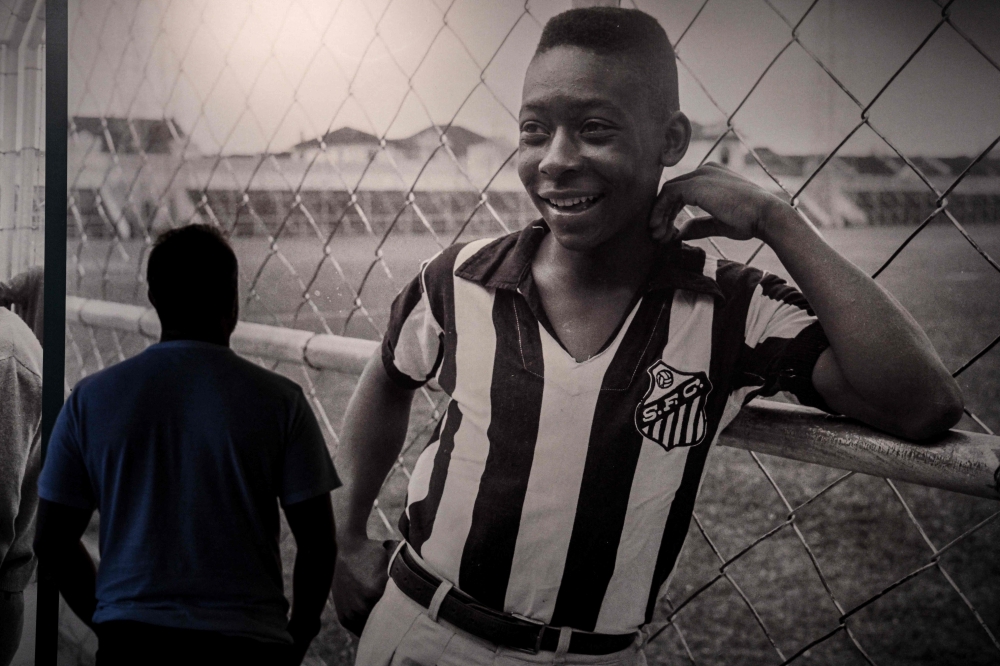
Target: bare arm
372,436
58,547
880,367
311,522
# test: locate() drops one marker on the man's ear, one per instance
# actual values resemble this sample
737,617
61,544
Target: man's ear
678,135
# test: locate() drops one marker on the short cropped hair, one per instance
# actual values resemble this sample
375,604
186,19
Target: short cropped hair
193,277
617,31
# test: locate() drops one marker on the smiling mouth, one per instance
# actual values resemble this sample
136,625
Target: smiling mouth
574,204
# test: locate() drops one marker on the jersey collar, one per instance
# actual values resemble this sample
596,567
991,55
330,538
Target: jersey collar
506,264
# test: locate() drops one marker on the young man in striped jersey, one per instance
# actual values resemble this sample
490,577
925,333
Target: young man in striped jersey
591,360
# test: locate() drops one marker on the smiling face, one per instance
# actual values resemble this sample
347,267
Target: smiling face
591,147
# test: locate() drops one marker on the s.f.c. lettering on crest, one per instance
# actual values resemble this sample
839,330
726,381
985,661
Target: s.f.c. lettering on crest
672,413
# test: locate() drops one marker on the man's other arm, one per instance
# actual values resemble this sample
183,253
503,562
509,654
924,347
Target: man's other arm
880,367
372,436
20,414
311,522
59,549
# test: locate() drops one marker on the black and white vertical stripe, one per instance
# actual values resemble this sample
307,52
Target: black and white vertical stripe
538,494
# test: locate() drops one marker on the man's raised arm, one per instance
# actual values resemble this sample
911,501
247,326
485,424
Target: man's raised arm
372,436
880,367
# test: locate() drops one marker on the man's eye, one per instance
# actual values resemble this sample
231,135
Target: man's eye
596,129
533,133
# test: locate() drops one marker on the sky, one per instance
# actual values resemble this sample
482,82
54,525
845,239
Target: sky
244,76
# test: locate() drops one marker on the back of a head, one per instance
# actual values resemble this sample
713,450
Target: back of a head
193,278
619,32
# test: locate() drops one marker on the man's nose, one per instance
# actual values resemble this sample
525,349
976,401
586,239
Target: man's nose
562,155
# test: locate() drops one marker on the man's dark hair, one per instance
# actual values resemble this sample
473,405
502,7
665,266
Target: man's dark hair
193,277
617,31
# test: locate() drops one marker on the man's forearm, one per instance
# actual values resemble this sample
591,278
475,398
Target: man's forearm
880,350
77,580
372,436
311,581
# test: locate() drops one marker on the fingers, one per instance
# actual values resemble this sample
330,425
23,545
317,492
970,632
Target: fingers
663,229
659,222
707,226
700,227
359,583
353,612
355,623
661,218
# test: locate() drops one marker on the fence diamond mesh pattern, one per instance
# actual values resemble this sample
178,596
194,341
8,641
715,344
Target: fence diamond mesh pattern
325,141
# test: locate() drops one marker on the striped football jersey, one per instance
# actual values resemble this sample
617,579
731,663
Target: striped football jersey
559,490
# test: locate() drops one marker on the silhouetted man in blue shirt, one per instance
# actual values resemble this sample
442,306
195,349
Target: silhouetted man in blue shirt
186,451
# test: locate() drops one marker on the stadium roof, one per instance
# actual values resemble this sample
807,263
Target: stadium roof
459,139
876,165
154,135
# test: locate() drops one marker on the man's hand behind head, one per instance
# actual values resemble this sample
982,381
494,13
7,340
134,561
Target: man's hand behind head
736,207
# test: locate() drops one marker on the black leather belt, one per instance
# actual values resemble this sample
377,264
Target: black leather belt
491,625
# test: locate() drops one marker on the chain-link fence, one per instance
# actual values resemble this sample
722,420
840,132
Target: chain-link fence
338,144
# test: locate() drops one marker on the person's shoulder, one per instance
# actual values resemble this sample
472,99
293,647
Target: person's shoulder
475,260
259,378
744,285
463,258
500,262
734,278
442,265
17,342
110,379
700,267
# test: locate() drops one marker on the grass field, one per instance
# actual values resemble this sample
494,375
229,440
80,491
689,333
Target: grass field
860,533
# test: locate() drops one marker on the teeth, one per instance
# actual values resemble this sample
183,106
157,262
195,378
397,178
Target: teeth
563,203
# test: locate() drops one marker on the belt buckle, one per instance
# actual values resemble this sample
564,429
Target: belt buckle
538,642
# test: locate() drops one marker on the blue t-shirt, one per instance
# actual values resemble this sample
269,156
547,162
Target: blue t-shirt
185,450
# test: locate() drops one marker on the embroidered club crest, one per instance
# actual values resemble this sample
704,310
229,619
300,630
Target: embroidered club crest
672,413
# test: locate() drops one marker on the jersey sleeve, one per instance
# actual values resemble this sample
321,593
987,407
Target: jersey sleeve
308,470
783,340
413,344
20,442
64,478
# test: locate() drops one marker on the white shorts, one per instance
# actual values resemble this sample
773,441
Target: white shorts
400,632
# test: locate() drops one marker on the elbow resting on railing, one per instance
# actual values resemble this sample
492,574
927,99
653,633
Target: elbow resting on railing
931,414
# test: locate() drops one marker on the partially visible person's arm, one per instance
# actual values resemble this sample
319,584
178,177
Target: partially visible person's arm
311,522
374,430
880,367
59,549
20,411
25,290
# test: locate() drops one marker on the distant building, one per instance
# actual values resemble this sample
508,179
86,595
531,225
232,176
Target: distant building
129,136
305,190
714,141
885,190
104,155
344,146
436,158
350,181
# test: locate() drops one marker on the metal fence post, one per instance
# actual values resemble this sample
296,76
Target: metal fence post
53,371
